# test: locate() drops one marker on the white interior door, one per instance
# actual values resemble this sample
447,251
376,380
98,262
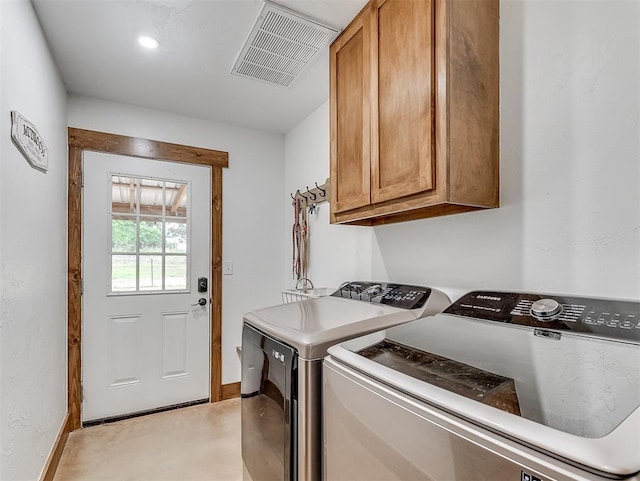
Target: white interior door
146,229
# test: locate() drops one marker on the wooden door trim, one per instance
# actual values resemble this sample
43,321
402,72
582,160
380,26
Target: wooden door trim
81,140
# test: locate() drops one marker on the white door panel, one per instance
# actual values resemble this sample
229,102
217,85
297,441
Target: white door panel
144,347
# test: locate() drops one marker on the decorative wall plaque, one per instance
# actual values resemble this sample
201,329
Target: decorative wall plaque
29,142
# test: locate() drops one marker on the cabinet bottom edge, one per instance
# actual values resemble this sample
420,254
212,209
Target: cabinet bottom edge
374,219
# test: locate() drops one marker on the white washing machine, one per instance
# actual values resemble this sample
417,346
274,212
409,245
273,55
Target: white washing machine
282,351
500,386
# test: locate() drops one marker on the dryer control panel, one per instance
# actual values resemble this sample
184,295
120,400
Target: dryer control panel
394,295
607,318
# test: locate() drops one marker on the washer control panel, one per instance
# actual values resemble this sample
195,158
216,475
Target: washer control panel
598,317
395,295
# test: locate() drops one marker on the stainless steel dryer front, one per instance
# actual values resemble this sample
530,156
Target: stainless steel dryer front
499,387
282,351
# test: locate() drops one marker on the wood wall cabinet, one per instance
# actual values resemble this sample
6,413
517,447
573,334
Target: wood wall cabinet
414,97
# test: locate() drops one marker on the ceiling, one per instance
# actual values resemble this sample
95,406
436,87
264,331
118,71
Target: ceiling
94,43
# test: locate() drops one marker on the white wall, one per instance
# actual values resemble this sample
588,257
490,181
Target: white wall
570,159
33,251
307,161
252,189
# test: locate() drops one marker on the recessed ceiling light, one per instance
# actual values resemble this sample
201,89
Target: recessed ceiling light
148,42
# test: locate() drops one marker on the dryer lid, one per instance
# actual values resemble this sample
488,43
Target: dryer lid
312,325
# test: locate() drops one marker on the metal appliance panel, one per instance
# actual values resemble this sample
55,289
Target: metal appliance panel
309,451
373,432
309,327
268,405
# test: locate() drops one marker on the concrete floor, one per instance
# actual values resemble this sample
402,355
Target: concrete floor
190,444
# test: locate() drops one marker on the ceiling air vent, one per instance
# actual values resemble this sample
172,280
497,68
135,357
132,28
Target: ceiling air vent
281,45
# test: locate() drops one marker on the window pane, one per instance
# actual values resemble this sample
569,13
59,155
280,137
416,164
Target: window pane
175,272
151,196
176,199
150,273
150,235
176,237
123,273
123,194
123,234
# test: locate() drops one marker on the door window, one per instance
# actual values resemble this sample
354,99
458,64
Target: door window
149,235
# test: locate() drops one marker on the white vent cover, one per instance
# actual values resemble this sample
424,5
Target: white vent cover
281,45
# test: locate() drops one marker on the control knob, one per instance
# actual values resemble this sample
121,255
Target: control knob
546,309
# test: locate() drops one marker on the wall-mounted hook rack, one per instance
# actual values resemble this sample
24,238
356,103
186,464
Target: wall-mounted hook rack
314,196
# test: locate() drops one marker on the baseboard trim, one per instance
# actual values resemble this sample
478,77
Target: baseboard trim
50,467
230,391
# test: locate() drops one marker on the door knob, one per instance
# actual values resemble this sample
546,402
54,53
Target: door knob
201,302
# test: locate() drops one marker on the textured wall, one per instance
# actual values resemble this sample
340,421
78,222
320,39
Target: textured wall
33,250
337,253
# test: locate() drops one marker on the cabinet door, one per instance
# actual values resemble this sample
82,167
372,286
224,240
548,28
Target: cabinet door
402,98
350,118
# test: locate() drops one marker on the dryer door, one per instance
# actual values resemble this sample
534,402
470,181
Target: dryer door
267,406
